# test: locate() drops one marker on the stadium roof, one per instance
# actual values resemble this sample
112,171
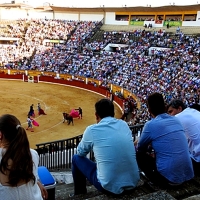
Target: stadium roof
170,8
15,5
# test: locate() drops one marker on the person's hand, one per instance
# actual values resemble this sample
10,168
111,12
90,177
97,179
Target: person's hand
43,190
135,143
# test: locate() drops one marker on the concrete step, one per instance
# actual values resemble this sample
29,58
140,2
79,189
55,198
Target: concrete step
145,191
62,176
63,191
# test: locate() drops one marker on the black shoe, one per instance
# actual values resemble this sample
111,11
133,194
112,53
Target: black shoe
174,184
153,185
71,195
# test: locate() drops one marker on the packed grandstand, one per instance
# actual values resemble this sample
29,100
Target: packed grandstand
150,61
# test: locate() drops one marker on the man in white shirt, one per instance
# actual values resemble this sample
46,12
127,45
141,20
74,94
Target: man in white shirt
190,119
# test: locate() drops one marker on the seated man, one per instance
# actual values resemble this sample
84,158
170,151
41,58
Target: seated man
170,163
190,119
115,169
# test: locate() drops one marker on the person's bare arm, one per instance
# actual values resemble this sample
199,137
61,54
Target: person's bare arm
43,190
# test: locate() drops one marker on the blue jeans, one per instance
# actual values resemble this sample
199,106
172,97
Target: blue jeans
84,169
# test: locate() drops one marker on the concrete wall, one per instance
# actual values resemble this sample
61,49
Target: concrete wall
110,19
11,13
40,14
198,16
66,16
191,23
17,13
91,16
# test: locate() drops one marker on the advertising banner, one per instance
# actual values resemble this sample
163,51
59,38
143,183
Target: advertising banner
137,23
55,41
116,88
173,23
158,22
91,80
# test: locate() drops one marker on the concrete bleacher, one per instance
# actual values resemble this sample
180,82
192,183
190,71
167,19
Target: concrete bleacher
144,191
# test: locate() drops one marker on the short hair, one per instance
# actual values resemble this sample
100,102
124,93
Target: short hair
195,106
104,108
156,104
176,103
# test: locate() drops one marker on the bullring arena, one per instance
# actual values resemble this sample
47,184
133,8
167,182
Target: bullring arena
17,96
57,57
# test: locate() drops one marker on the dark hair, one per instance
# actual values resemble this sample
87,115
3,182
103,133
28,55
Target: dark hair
17,150
156,104
196,106
176,103
104,108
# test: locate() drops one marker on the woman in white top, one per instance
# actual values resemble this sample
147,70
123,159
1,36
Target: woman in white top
18,163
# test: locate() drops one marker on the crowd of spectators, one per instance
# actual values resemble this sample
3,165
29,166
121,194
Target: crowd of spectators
173,71
142,19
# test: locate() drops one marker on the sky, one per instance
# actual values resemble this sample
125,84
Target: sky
105,3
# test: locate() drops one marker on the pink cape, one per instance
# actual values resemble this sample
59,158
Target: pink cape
35,123
74,113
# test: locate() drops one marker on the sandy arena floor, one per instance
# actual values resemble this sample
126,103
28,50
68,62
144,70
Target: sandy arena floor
17,96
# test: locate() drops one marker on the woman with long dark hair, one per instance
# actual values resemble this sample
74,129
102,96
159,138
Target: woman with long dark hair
18,163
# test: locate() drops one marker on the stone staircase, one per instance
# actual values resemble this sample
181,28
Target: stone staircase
98,36
144,191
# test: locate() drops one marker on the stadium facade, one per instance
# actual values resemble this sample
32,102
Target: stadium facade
136,16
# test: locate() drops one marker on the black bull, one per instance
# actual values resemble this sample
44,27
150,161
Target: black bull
69,118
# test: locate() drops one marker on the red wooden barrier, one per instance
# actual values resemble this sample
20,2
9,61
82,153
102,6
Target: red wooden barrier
76,83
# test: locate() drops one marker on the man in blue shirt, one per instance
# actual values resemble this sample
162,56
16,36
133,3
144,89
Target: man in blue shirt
170,163
115,169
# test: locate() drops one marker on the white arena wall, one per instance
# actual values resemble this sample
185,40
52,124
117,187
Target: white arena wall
66,16
17,13
40,15
191,23
110,19
11,13
91,16
79,16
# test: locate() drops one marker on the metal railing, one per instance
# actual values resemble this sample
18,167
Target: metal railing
58,154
